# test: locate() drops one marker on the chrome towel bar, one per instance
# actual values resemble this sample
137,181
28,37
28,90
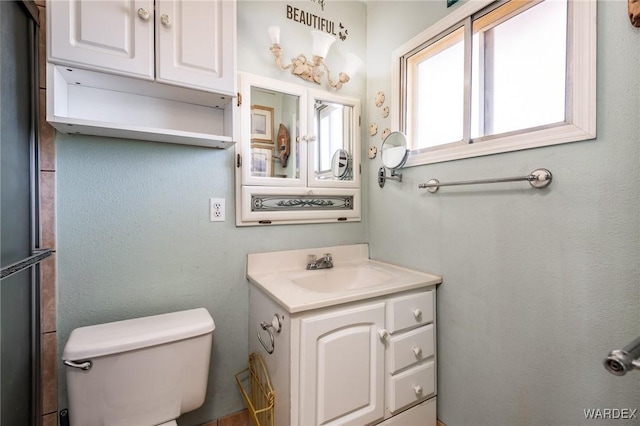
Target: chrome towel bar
620,361
539,178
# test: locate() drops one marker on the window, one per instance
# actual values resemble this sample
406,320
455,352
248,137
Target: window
497,76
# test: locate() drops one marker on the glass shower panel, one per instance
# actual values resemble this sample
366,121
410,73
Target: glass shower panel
19,331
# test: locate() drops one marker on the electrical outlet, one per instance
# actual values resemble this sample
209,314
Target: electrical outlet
216,209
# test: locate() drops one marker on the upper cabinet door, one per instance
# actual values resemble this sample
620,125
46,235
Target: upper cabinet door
114,35
196,44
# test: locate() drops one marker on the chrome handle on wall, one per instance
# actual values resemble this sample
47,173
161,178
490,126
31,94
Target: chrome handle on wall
620,361
276,325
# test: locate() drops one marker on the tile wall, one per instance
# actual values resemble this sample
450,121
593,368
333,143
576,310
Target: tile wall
49,357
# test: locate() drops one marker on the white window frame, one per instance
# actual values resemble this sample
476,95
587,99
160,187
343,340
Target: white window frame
580,120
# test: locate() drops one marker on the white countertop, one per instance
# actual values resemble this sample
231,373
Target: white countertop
272,272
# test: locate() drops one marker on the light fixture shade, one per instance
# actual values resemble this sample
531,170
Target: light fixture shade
352,65
274,34
321,43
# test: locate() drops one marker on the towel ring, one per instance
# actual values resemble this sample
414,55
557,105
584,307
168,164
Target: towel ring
276,325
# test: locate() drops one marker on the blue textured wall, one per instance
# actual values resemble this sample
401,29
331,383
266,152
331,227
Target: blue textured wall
538,286
134,236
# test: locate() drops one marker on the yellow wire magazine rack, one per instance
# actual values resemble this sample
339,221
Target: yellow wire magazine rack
257,392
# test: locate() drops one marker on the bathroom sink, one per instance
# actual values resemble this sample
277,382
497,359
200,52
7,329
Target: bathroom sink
341,278
354,276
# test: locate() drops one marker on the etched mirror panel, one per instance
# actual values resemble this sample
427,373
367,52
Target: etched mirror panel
275,126
335,139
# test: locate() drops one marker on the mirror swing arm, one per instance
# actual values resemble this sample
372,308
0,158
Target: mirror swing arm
394,154
382,176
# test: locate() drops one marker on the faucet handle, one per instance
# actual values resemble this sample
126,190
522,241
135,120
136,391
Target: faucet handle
328,257
311,258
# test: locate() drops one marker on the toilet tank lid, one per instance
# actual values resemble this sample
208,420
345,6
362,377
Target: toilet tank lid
122,336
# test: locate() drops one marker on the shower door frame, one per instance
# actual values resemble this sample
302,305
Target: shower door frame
38,254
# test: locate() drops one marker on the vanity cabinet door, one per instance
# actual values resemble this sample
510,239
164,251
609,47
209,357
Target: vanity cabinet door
342,367
114,36
195,44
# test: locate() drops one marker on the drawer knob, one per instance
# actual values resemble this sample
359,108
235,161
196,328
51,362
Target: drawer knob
417,351
417,389
417,313
384,334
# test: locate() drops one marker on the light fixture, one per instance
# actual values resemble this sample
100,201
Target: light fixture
313,70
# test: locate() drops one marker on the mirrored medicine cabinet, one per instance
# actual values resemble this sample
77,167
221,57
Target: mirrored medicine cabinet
298,156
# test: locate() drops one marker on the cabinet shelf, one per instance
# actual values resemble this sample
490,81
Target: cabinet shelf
95,103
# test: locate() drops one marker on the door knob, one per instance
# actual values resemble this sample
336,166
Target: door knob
165,20
143,14
384,334
417,313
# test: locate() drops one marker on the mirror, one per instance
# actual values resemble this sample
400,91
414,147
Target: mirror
298,157
341,164
394,154
394,150
274,134
335,138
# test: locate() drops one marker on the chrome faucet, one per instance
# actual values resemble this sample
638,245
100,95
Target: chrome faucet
324,262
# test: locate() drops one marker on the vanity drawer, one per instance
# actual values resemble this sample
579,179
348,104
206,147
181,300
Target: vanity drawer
412,385
410,347
409,311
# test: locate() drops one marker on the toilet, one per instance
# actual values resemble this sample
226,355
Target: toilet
139,372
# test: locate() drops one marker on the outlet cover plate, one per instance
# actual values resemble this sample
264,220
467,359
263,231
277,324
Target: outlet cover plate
216,209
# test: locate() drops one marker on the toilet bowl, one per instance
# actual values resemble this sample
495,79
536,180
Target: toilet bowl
144,371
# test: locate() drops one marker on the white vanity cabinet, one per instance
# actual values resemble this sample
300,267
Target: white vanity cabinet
161,71
361,363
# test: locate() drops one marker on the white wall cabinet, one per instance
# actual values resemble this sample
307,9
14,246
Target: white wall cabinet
110,36
363,363
306,187
163,72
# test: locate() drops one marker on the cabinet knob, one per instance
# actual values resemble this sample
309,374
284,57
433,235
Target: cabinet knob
417,351
417,389
417,313
143,14
164,18
384,334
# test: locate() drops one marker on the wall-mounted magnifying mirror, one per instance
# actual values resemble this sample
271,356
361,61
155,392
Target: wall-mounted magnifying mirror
341,164
394,155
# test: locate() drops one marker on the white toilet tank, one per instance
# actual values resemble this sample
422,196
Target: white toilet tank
143,371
